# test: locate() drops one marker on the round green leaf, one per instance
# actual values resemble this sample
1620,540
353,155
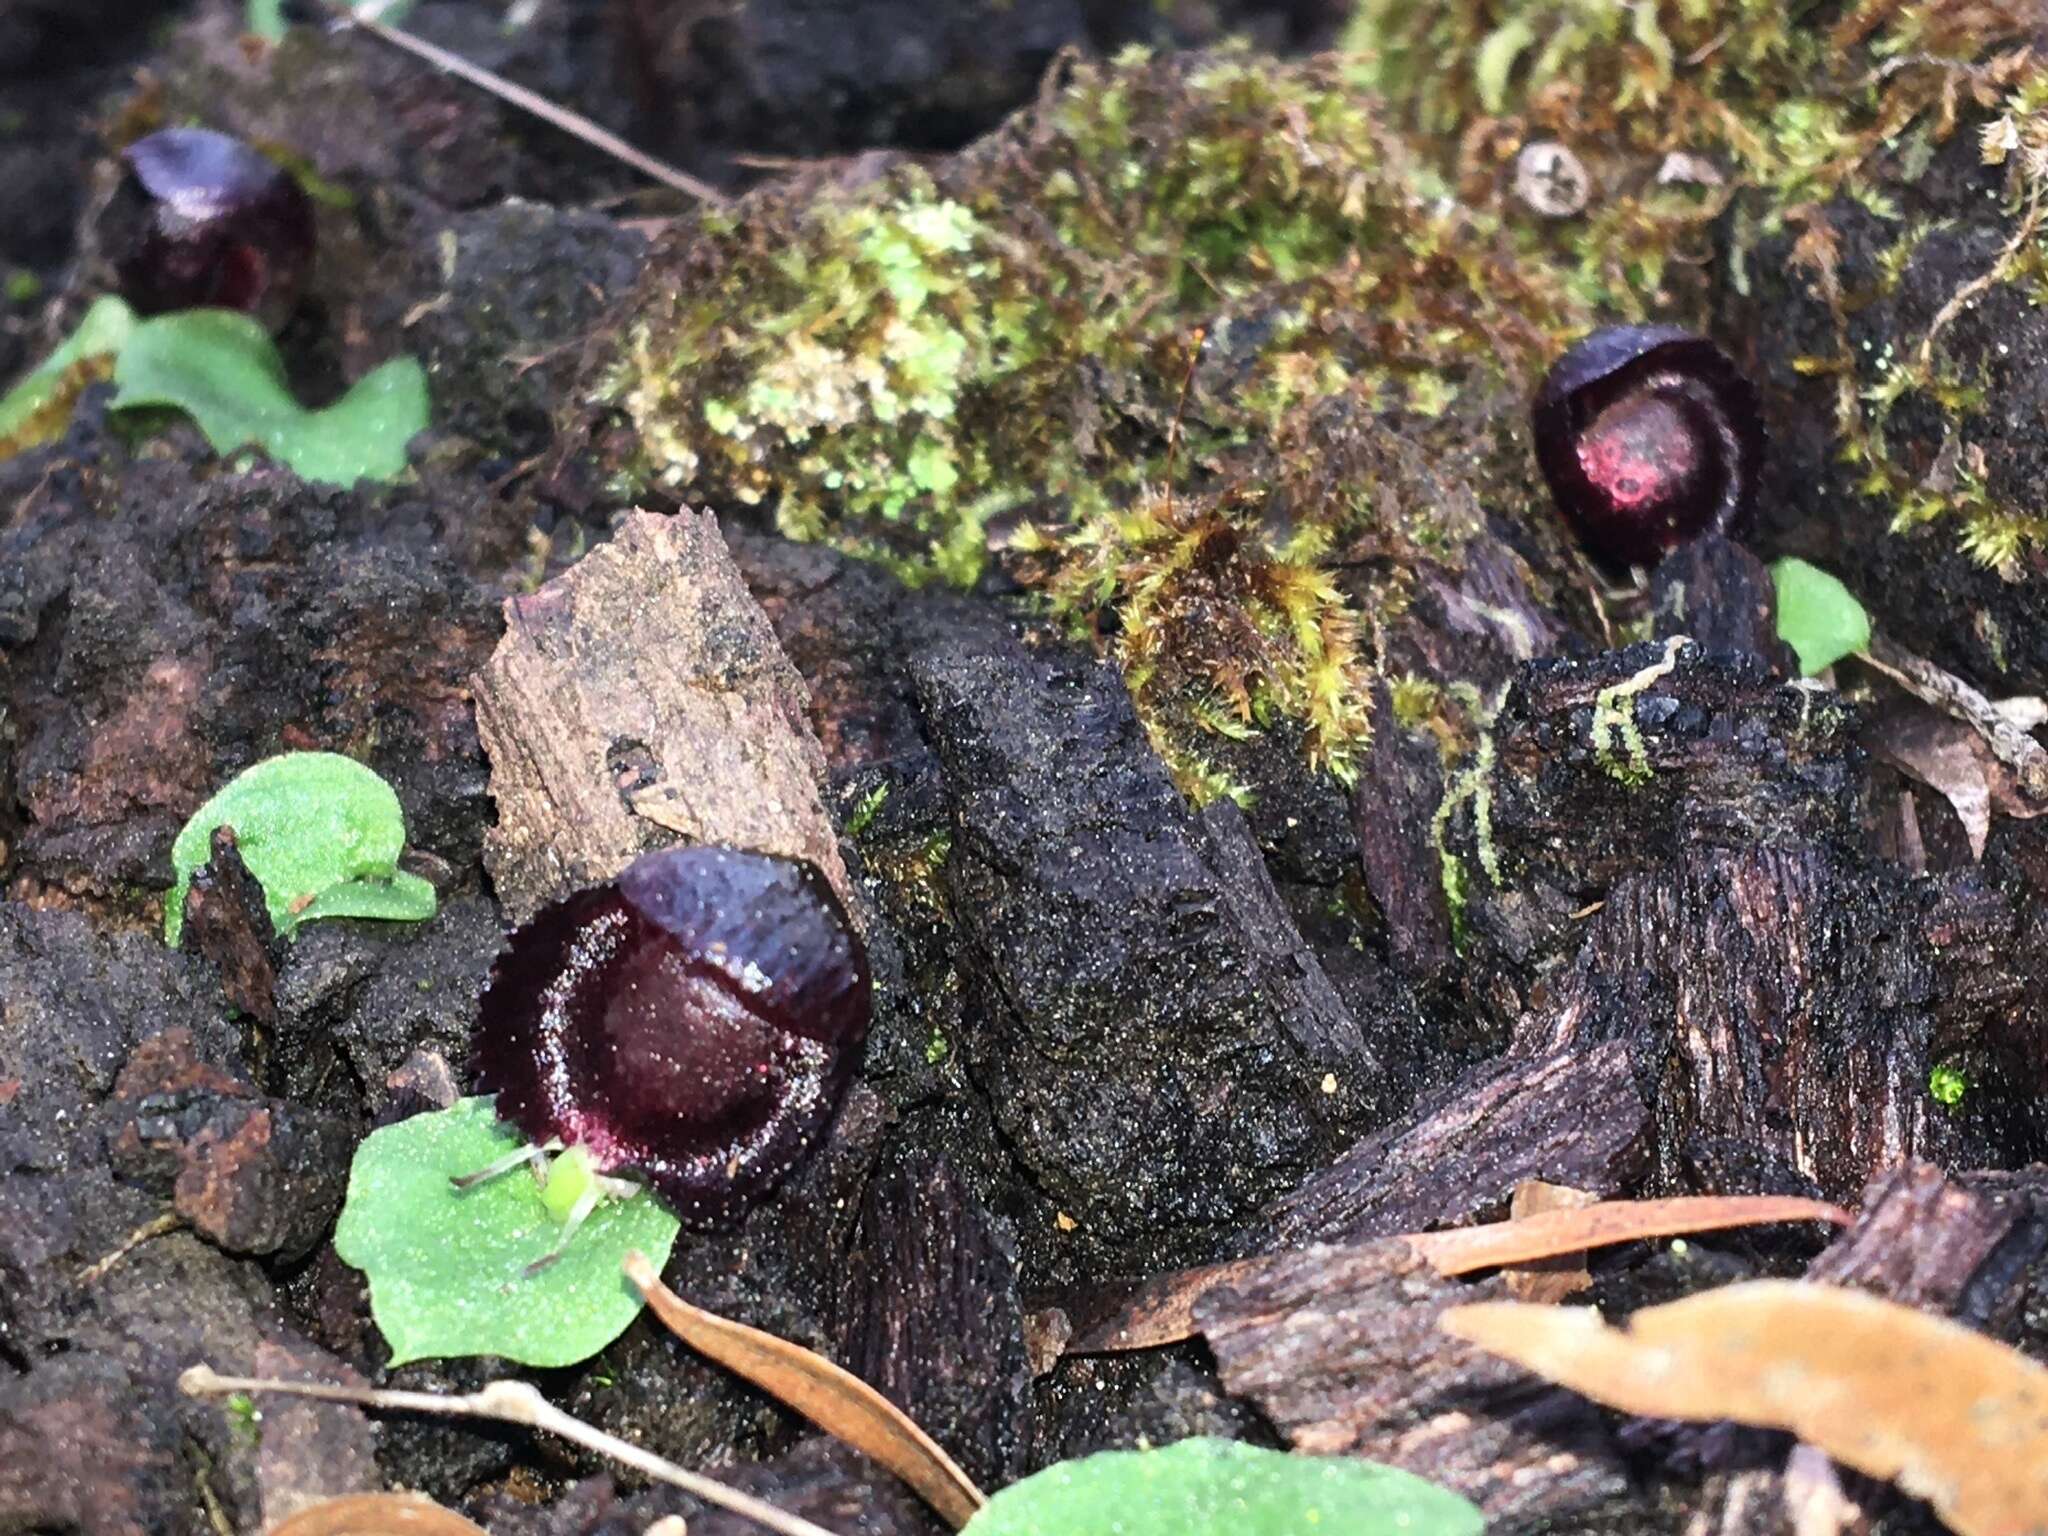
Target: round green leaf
1222,1488
447,1266
1818,616
220,368
320,832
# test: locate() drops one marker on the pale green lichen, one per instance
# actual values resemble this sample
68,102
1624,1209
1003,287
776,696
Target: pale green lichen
1471,783
1614,718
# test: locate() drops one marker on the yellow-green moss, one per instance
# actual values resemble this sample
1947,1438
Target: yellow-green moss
1159,328
1682,111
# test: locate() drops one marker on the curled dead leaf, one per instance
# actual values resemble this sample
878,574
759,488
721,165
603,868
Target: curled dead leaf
1949,1415
378,1514
1955,761
834,1399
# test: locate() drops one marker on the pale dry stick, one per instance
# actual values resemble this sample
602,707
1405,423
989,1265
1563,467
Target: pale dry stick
149,1231
514,1402
2010,744
572,123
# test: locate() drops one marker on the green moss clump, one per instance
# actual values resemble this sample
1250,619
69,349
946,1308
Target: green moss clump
1199,346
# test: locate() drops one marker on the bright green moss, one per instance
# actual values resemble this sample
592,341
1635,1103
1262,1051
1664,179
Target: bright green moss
1692,120
1158,328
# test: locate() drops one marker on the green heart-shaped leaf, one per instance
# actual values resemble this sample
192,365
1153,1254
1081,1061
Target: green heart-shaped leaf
1818,616
39,407
220,368
1221,1488
320,832
447,1267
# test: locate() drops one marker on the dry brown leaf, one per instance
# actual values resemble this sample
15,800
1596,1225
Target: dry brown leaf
1949,1415
1544,1236
1954,760
1162,1310
834,1399
378,1514
1556,1278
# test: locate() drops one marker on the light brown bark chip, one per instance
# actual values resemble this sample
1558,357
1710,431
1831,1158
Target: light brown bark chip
638,699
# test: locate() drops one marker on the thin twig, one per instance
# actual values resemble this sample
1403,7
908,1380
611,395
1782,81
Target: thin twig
2010,744
514,1402
161,1226
572,123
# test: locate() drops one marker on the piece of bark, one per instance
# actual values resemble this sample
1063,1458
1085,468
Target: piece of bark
1786,1012
1548,1280
1340,1347
1137,1016
1573,1117
637,698
1716,592
228,922
1286,968
1950,1245
929,1316
1615,764
1399,788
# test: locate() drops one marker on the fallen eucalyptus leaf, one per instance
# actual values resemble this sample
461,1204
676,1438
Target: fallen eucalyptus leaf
1949,1415
1162,1310
834,1399
378,1514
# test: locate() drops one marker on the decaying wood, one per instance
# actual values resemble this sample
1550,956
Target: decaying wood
1573,1117
1787,1006
1400,786
1341,1350
1720,595
1560,1275
929,1315
1162,1311
637,697
227,921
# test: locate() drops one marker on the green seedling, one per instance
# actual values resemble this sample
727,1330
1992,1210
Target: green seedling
320,832
1817,616
462,1261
